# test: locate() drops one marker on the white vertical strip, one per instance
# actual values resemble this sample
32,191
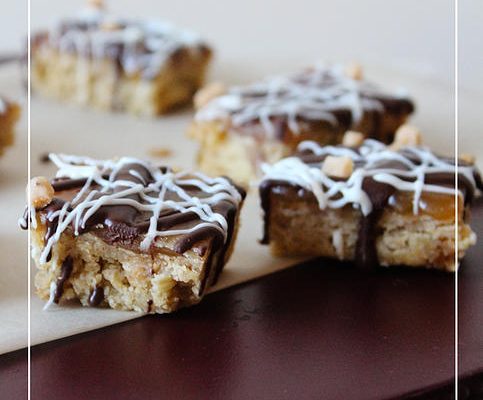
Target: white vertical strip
29,236
456,132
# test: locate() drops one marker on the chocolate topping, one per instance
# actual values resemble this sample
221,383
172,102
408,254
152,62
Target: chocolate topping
65,272
379,193
318,98
366,252
96,297
60,184
137,47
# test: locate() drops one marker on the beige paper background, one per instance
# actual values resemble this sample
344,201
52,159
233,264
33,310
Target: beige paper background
420,59
13,241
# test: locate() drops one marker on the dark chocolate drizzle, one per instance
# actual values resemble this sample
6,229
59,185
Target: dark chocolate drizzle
44,158
366,253
96,297
65,272
379,194
60,184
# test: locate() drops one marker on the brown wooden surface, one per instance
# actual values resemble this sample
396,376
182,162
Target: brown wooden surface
320,330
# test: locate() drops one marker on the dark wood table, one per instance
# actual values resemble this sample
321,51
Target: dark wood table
320,330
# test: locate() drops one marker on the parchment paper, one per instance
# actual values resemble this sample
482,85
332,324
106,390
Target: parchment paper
68,129
13,241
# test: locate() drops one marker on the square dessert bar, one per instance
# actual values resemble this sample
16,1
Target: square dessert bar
129,235
369,203
141,67
241,127
9,115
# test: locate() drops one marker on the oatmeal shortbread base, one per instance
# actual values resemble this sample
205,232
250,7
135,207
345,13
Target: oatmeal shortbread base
224,151
299,227
7,125
101,83
160,282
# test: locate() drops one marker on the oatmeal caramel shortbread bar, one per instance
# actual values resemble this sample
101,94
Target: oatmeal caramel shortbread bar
369,203
129,235
142,67
241,127
9,115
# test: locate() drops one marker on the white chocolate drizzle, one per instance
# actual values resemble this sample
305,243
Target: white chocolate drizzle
374,160
313,95
165,192
338,243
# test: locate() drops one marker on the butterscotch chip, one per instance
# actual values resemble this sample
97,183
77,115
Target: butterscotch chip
407,135
208,93
160,152
41,192
99,4
353,139
468,158
338,167
354,71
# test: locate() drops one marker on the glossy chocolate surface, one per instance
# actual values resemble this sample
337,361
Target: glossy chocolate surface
123,225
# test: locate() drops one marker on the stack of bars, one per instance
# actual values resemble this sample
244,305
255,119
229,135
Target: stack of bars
129,235
9,115
242,127
370,203
142,67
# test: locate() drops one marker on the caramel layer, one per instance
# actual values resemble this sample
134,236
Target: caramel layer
436,205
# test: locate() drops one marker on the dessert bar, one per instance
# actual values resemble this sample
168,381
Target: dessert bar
241,127
9,115
142,67
369,203
129,235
